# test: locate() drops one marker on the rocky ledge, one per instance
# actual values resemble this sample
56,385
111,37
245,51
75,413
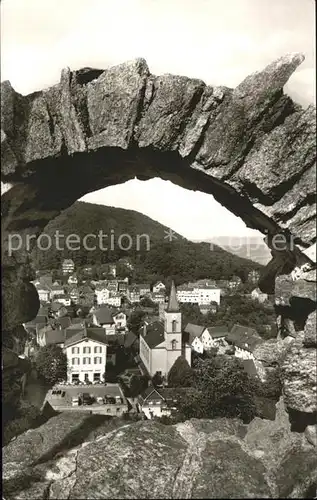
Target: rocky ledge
76,456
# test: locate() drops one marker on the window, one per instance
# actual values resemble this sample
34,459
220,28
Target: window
86,350
86,361
174,322
97,349
75,350
75,361
97,361
96,376
173,344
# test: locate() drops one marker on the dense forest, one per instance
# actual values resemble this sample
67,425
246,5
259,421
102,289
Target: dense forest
153,256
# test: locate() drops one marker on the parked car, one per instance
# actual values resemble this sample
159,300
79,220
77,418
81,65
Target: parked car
100,400
76,401
86,399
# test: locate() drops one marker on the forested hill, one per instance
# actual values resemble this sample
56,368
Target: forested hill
153,255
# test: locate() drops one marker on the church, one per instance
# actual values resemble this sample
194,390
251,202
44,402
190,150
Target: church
161,342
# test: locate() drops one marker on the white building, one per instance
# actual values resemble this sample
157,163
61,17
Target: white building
194,333
114,300
103,316
72,280
158,287
63,299
245,340
86,356
68,266
102,294
198,295
161,342
120,320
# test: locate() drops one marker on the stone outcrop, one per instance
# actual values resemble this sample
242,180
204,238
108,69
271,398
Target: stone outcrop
251,147
72,456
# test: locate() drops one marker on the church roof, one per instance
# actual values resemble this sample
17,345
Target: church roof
154,334
172,302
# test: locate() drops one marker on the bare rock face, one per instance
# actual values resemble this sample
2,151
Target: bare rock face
299,376
251,147
73,457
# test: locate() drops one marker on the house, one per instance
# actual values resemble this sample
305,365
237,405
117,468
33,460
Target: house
44,292
253,276
154,402
72,280
103,316
63,299
161,342
151,403
158,297
133,293
209,308
159,287
51,336
112,285
261,297
74,294
56,289
122,286
215,336
102,293
30,326
245,340
120,319
68,266
113,270
193,335
235,282
86,295
114,300
58,310
86,353
131,341
62,322
199,294
144,289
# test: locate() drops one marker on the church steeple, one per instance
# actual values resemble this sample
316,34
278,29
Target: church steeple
172,302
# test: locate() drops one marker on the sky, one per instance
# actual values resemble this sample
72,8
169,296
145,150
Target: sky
218,41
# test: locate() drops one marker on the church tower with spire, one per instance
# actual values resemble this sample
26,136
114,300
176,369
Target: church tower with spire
172,329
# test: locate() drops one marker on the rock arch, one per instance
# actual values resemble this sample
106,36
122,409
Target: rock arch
251,147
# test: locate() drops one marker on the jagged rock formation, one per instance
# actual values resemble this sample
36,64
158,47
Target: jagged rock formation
196,459
251,147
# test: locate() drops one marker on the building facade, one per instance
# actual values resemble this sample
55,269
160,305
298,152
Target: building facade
161,343
86,357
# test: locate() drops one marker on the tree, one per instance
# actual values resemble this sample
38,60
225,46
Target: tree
51,364
135,321
222,389
147,302
181,374
157,380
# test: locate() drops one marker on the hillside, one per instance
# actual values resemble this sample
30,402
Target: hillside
247,247
151,252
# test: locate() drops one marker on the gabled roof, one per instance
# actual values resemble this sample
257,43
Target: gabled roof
244,337
37,320
64,322
54,337
154,335
95,334
218,331
56,306
43,311
151,394
130,339
194,330
249,367
104,315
